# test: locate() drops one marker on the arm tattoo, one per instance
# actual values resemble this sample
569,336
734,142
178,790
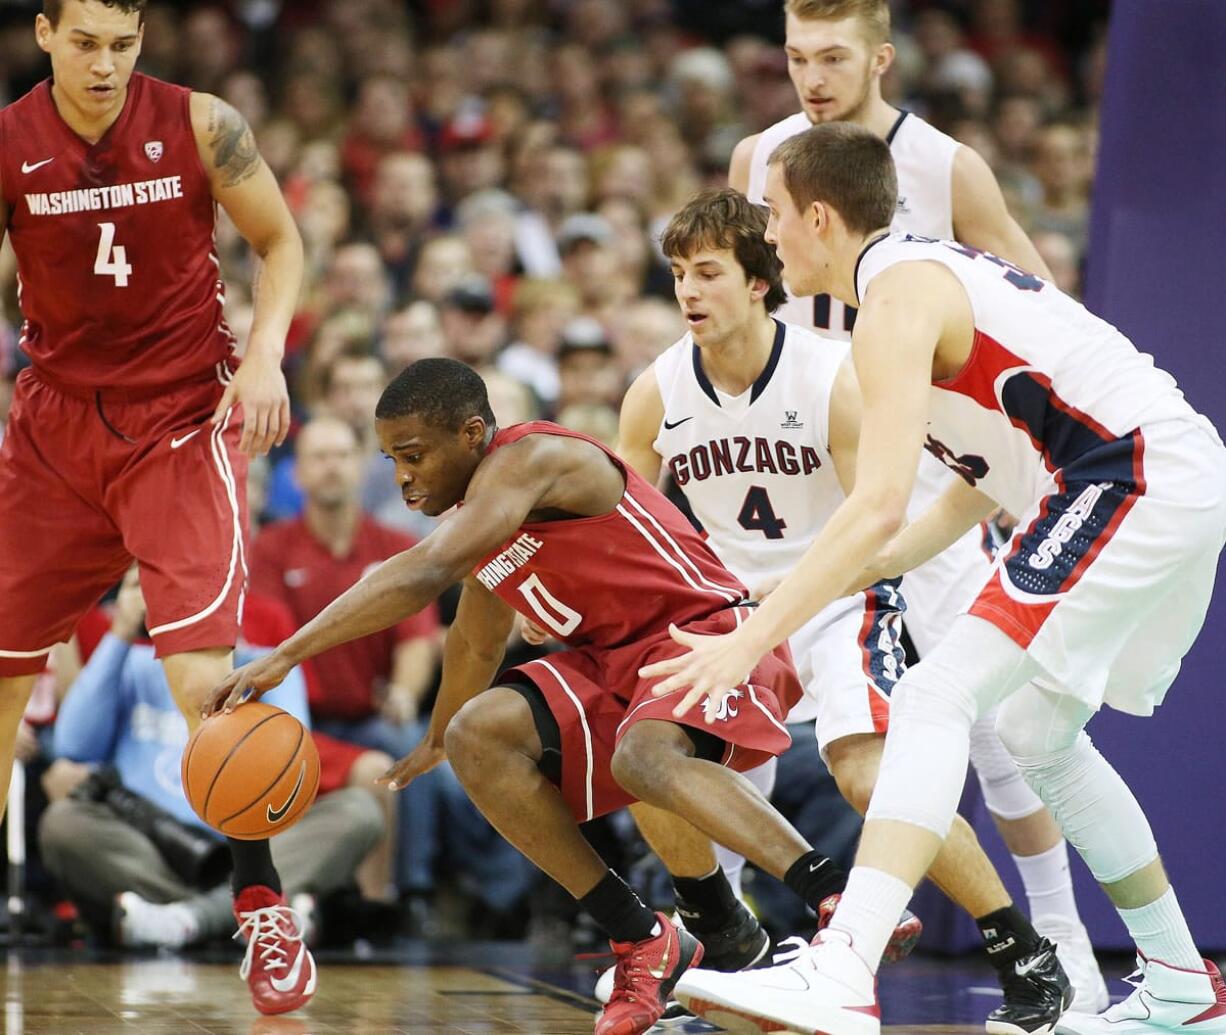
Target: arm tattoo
234,152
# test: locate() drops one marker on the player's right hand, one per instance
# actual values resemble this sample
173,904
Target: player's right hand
244,684
258,385
420,760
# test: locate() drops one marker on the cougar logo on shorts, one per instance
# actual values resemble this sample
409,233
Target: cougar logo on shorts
728,708
276,815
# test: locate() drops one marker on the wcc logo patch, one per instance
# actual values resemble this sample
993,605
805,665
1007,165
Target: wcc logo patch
789,420
154,150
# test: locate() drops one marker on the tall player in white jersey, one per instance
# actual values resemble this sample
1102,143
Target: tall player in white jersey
1120,488
758,422
837,52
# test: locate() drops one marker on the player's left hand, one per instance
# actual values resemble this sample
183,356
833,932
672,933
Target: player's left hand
712,668
258,677
259,387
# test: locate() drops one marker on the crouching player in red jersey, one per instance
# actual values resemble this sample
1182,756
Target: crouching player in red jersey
129,434
553,525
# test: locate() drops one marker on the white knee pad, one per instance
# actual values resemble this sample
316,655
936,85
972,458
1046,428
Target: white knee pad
932,710
1094,807
733,865
1005,791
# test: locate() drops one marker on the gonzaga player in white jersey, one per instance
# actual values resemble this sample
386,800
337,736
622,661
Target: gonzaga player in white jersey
837,51
1120,488
758,423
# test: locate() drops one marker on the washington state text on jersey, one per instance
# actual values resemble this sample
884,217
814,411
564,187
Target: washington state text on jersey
510,560
745,455
96,199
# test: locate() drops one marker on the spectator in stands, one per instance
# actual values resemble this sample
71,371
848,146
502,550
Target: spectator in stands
588,372
444,261
1060,168
539,310
473,328
120,713
404,206
411,333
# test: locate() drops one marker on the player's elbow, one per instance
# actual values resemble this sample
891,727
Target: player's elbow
885,512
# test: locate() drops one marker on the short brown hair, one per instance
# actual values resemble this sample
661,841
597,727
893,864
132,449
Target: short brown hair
844,165
52,9
720,217
873,14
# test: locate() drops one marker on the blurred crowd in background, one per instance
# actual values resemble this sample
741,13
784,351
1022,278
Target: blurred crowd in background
486,179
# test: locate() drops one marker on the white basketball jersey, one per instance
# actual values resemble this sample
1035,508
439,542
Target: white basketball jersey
924,159
756,467
1047,382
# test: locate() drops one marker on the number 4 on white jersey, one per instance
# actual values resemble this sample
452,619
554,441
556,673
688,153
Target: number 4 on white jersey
112,260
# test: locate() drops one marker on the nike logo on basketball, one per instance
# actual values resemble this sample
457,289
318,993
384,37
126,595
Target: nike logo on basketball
276,815
676,424
27,168
175,443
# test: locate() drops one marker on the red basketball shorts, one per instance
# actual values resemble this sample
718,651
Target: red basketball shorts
595,696
90,482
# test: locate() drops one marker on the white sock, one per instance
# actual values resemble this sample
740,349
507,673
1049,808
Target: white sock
869,911
1048,882
1161,932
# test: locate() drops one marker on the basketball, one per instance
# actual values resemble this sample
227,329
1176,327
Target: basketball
252,773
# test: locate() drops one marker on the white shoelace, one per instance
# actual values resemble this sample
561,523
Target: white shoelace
270,929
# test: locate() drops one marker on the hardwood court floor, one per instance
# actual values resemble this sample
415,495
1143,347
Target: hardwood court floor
463,991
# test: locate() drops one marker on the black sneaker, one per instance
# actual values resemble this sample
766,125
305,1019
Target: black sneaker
1037,992
739,944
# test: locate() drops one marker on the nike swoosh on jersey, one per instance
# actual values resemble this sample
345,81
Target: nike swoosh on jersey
287,983
27,168
675,424
276,815
175,443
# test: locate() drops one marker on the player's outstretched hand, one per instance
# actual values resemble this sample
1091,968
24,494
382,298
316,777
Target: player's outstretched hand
248,683
259,387
420,760
712,668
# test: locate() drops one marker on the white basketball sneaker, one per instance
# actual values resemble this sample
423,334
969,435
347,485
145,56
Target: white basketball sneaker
1076,956
827,989
1167,999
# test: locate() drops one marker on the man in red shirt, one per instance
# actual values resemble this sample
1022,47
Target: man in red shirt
129,435
368,692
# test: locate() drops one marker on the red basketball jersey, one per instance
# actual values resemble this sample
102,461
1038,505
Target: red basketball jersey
119,283
613,579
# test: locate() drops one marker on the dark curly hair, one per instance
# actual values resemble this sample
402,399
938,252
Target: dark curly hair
445,392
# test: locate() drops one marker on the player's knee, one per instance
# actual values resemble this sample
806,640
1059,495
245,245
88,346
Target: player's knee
494,723
1030,732
60,833
644,762
368,767
856,785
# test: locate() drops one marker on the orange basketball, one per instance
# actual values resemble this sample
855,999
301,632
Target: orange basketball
252,773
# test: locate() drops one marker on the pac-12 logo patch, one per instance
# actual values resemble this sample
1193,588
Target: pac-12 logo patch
154,150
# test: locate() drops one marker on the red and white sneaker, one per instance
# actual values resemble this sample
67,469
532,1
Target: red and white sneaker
1167,999
278,967
901,942
827,990
644,977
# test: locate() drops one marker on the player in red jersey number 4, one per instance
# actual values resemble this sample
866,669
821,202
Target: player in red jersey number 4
129,435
